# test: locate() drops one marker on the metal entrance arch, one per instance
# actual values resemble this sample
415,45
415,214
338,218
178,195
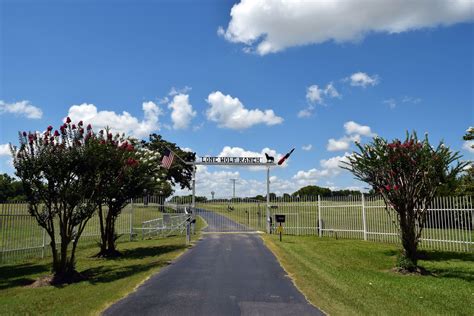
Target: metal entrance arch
232,221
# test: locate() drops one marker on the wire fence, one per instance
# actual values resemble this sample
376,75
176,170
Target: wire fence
449,224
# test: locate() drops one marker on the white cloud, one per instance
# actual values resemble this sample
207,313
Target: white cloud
468,145
307,147
361,79
124,122
22,108
229,112
354,133
330,167
269,26
338,144
182,111
174,91
331,91
308,112
352,127
316,95
5,150
409,99
334,164
391,103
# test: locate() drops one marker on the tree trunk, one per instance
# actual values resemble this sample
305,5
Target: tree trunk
103,233
107,233
409,241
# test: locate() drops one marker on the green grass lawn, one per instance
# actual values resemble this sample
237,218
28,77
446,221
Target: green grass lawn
348,277
108,279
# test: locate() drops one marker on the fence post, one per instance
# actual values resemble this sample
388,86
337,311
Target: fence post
364,220
319,217
44,243
131,219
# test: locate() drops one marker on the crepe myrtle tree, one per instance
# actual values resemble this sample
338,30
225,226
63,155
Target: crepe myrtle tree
406,174
57,169
126,170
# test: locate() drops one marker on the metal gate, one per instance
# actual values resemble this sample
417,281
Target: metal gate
232,215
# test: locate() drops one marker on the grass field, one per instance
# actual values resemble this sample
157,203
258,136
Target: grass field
349,277
109,279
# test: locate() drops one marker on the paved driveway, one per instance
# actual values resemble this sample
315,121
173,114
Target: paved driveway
223,274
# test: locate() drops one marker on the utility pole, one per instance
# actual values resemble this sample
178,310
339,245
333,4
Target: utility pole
233,187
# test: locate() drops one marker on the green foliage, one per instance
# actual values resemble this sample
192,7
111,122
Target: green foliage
125,170
186,199
57,172
314,190
179,173
407,175
10,189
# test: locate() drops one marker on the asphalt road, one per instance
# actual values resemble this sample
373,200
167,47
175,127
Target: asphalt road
223,274
219,223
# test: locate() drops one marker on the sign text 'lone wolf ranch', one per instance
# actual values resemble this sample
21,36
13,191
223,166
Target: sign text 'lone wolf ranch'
232,160
268,160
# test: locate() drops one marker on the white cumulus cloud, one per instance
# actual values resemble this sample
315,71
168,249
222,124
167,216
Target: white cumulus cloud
181,111
330,167
307,147
269,26
123,122
361,79
22,108
469,146
316,95
5,150
229,112
338,144
354,133
352,127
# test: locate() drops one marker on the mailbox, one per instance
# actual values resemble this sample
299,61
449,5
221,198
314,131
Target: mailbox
279,218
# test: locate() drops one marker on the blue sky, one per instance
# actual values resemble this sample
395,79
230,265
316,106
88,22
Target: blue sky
394,68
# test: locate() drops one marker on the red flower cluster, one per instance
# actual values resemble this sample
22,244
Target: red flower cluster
126,146
132,162
394,188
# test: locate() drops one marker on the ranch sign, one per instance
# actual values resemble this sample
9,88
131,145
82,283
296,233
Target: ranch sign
233,161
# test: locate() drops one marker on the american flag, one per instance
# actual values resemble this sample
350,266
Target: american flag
167,160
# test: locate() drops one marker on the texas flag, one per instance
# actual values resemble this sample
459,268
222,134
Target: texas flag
285,157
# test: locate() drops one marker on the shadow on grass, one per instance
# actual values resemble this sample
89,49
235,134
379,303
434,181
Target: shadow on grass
21,274
432,255
453,271
109,274
25,274
143,252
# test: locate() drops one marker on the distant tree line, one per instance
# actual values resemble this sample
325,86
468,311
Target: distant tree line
11,189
